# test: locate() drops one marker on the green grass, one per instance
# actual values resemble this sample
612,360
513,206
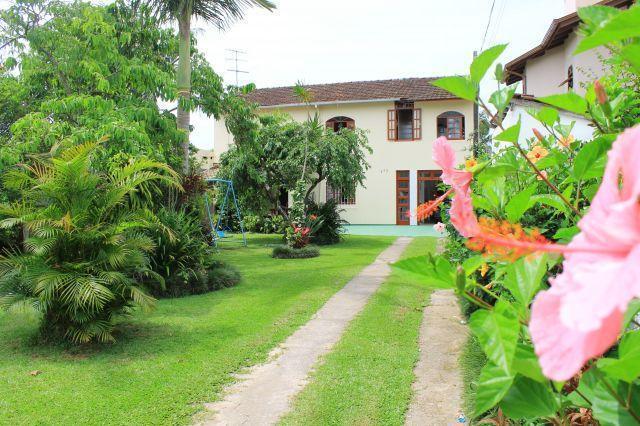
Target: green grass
167,363
367,378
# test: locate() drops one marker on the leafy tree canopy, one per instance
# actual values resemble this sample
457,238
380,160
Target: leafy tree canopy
269,153
79,72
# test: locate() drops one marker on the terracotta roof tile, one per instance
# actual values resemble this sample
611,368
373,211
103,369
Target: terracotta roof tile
417,89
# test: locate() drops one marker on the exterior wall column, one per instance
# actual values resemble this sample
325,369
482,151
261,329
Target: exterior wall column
413,196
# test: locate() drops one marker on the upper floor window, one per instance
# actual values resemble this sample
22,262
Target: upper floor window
404,123
340,196
341,122
451,125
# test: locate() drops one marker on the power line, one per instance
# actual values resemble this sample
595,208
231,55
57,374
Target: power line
484,38
236,59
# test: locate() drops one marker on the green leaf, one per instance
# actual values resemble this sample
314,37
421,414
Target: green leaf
501,98
631,54
528,400
627,366
546,115
606,408
564,235
497,331
632,311
519,204
526,363
586,158
510,134
567,101
473,263
493,384
551,200
483,62
437,270
622,26
524,277
459,86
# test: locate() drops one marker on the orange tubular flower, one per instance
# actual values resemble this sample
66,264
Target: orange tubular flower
507,241
425,210
566,141
470,163
537,153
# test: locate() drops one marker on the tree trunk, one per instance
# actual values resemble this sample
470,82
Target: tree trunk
184,82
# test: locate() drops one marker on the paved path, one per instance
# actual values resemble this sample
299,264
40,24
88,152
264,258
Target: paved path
265,393
437,390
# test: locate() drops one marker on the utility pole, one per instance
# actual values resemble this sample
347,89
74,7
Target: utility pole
235,60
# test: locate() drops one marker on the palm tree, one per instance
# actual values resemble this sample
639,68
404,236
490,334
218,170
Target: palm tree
218,12
87,249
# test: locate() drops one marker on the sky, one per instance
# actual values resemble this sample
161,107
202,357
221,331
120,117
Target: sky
351,40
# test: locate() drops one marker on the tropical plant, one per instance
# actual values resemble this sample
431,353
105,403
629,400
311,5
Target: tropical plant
85,250
547,232
332,227
181,251
217,12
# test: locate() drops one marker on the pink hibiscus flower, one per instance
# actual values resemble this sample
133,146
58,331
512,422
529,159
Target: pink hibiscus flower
580,316
462,215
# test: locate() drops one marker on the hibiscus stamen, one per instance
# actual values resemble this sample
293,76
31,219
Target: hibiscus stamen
425,210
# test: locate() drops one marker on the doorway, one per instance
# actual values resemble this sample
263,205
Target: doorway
402,197
428,181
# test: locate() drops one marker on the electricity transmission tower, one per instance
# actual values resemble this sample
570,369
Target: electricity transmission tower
236,59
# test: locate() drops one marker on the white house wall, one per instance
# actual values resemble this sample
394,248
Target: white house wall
581,130
376,204
545,74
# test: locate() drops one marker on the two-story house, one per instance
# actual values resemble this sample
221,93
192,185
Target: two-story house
402,118
552,68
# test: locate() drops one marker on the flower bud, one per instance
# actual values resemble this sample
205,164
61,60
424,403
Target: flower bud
601,94
538,135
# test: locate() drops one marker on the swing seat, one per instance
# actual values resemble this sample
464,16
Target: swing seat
220,234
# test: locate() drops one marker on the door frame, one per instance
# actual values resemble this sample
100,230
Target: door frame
407,189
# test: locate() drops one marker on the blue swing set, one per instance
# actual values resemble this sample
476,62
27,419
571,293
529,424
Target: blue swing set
220,231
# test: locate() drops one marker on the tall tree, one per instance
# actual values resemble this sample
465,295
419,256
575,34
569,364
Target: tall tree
218,12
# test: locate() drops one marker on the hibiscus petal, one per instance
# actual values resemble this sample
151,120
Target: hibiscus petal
562,351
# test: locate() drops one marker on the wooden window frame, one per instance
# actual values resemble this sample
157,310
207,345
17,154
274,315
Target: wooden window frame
461,120
393,122
349,122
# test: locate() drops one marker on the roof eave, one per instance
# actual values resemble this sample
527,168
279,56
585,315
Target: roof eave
353,101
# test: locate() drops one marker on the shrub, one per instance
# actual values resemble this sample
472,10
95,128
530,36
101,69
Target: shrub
270,224
180,255
287,252
332,227
221,275
86,250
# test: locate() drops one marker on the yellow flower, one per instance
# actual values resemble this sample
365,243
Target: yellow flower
470,163
484,269
537,153
566,141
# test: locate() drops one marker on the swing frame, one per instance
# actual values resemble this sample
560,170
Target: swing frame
217,233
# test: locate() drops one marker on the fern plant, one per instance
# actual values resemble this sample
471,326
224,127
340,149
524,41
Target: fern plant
85,250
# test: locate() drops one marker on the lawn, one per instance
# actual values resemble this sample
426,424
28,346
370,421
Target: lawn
166,363
367,378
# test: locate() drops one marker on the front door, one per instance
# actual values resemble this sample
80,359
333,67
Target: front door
402,197
428,181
